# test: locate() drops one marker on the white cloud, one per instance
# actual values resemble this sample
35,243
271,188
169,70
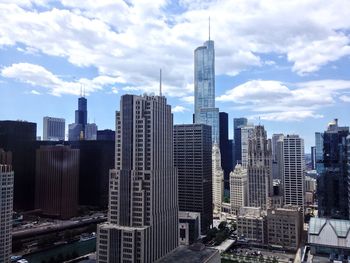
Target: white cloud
345,98
133,39
35,92
188,99
179,108
279,101
38,76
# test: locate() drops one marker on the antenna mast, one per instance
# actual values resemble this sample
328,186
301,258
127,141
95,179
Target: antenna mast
160,82
209,27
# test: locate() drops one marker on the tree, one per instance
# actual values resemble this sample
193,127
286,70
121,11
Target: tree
222,225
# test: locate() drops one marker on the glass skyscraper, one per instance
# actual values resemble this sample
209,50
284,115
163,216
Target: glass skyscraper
204,88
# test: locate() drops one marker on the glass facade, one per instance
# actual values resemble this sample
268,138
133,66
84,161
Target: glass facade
204,88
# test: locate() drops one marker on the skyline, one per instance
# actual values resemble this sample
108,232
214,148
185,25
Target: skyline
290,71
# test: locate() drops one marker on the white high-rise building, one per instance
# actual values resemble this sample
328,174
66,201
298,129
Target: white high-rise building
6,208
143,195
238,188
53,129
91,132
218,179
259,168
293,170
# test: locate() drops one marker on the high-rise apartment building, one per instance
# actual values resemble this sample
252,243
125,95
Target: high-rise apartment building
238,189
238,123
259,168
143,203
53,129
218,179
332,184
293,170
192,158
56,181
204,88
6,206
19,137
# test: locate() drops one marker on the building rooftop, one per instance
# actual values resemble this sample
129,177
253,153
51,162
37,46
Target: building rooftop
340,227
188,254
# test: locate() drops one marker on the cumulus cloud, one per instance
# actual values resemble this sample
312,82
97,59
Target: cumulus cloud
133,39
179,108
38,76
274,100
35,92
345,98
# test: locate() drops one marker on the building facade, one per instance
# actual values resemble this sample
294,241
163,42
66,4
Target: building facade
19,138
143,199
57,181
54,129
246,133
332,184
91,131
218,179
189,227
6,206
293,170
238,123
251,225
192,158
238,189
259,168
204,88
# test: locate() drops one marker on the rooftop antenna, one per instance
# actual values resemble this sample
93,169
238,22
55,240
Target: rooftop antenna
84,92
160,82
81,90
259,120
209,27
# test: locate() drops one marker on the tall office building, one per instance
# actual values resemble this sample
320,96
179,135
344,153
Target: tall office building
225,150
293,170
143,203
259,168
218,179
238,189
332,184
277,171
319,152
91,132
204,88
348,179
246,133
6,205
54,129
313,157
56,181
19,138
77,129
238,123
192,158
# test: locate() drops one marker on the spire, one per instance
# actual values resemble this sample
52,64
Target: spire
81,90
209,27
160,82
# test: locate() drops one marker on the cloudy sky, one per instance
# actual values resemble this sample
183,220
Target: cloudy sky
283,62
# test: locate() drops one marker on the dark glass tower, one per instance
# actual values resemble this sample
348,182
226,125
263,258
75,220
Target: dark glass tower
225,149
193,160
19,138
237,124
81,112
332,184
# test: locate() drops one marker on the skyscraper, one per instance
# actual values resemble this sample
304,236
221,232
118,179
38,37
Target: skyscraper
332,184
19,137
76,130
6,206
143,203
293,170
238,123
192,158
54,129
259,168
56,181
225,149
319,152
218,179
277,163
313,157
238,188
204,88
91,131
246,133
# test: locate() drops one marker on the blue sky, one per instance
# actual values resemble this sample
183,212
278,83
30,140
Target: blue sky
291,71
